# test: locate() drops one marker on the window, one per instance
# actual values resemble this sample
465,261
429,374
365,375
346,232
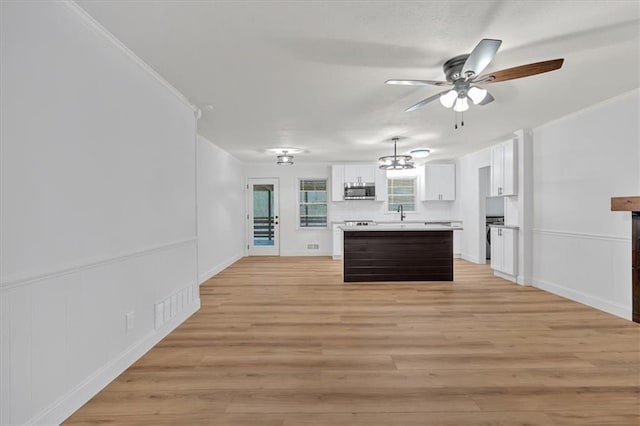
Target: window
401,191
313,203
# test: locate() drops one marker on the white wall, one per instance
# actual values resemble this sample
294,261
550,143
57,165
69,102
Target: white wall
472,190
582,250
98,214
293,241
377,210
221,209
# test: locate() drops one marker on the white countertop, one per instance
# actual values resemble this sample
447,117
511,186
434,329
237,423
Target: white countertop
505,226
406,226
386,222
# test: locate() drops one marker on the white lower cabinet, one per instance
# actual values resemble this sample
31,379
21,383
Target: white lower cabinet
504,250
337,242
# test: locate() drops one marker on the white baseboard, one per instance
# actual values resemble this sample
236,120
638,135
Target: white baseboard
469,258
504,276
586,299
219,268
307,253
66,405
457,255
524,281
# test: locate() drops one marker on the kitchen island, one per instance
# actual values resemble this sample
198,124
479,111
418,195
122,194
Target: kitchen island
406,252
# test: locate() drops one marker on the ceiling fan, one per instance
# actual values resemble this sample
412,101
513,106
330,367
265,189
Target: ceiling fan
463,73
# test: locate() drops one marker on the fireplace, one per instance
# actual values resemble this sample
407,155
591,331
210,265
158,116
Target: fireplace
632,204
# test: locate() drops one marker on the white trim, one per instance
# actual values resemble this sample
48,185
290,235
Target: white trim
204,138
197,116
62,408
504,276
308,253
255,250
473,259
524,281
13,282
326,203
219,268
590,108
586,299
416,198
569,234
72,5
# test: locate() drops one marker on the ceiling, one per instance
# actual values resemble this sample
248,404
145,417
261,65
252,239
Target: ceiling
310,74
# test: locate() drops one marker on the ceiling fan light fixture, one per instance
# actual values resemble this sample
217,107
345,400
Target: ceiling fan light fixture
449,98
461,105
477,94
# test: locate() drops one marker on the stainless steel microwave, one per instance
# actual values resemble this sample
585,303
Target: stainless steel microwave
361,191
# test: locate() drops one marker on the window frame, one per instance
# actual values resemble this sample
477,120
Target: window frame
300,203
415,194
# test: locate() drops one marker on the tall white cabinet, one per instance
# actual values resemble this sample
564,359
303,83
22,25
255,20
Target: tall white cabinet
503,169
337,242
504,245
439,182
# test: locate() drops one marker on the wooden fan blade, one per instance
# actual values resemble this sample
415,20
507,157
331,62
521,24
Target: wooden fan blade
521,71
425,101
418,82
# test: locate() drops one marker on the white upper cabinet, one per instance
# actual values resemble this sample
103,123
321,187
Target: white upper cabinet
337,182
361,173
440,182
503,169
357,173
381,184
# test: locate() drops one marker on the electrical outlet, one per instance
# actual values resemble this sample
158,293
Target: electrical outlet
129,320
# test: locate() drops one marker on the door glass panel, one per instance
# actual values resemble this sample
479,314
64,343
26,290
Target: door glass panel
263,215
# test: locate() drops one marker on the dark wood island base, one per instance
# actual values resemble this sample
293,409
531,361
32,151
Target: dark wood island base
398,255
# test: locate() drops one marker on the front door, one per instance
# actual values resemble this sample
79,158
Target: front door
263,217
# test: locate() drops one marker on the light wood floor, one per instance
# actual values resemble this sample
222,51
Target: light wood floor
282,341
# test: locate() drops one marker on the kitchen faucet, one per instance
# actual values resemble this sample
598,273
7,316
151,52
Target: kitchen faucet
401,210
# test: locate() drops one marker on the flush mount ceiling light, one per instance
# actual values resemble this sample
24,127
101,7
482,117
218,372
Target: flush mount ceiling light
284,159
395,161
420,152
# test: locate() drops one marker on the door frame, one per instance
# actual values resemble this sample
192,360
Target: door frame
253,250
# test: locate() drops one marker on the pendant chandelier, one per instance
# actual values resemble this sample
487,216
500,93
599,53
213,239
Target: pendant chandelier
395,161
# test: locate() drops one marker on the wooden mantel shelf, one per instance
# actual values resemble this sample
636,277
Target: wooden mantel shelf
625,204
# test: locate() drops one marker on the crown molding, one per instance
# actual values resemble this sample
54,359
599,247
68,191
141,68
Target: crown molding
84,15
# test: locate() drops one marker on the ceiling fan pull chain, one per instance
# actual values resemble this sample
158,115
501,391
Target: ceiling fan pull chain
462,122
455,114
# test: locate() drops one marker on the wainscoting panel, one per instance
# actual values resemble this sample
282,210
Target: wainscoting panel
70,329
592,269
